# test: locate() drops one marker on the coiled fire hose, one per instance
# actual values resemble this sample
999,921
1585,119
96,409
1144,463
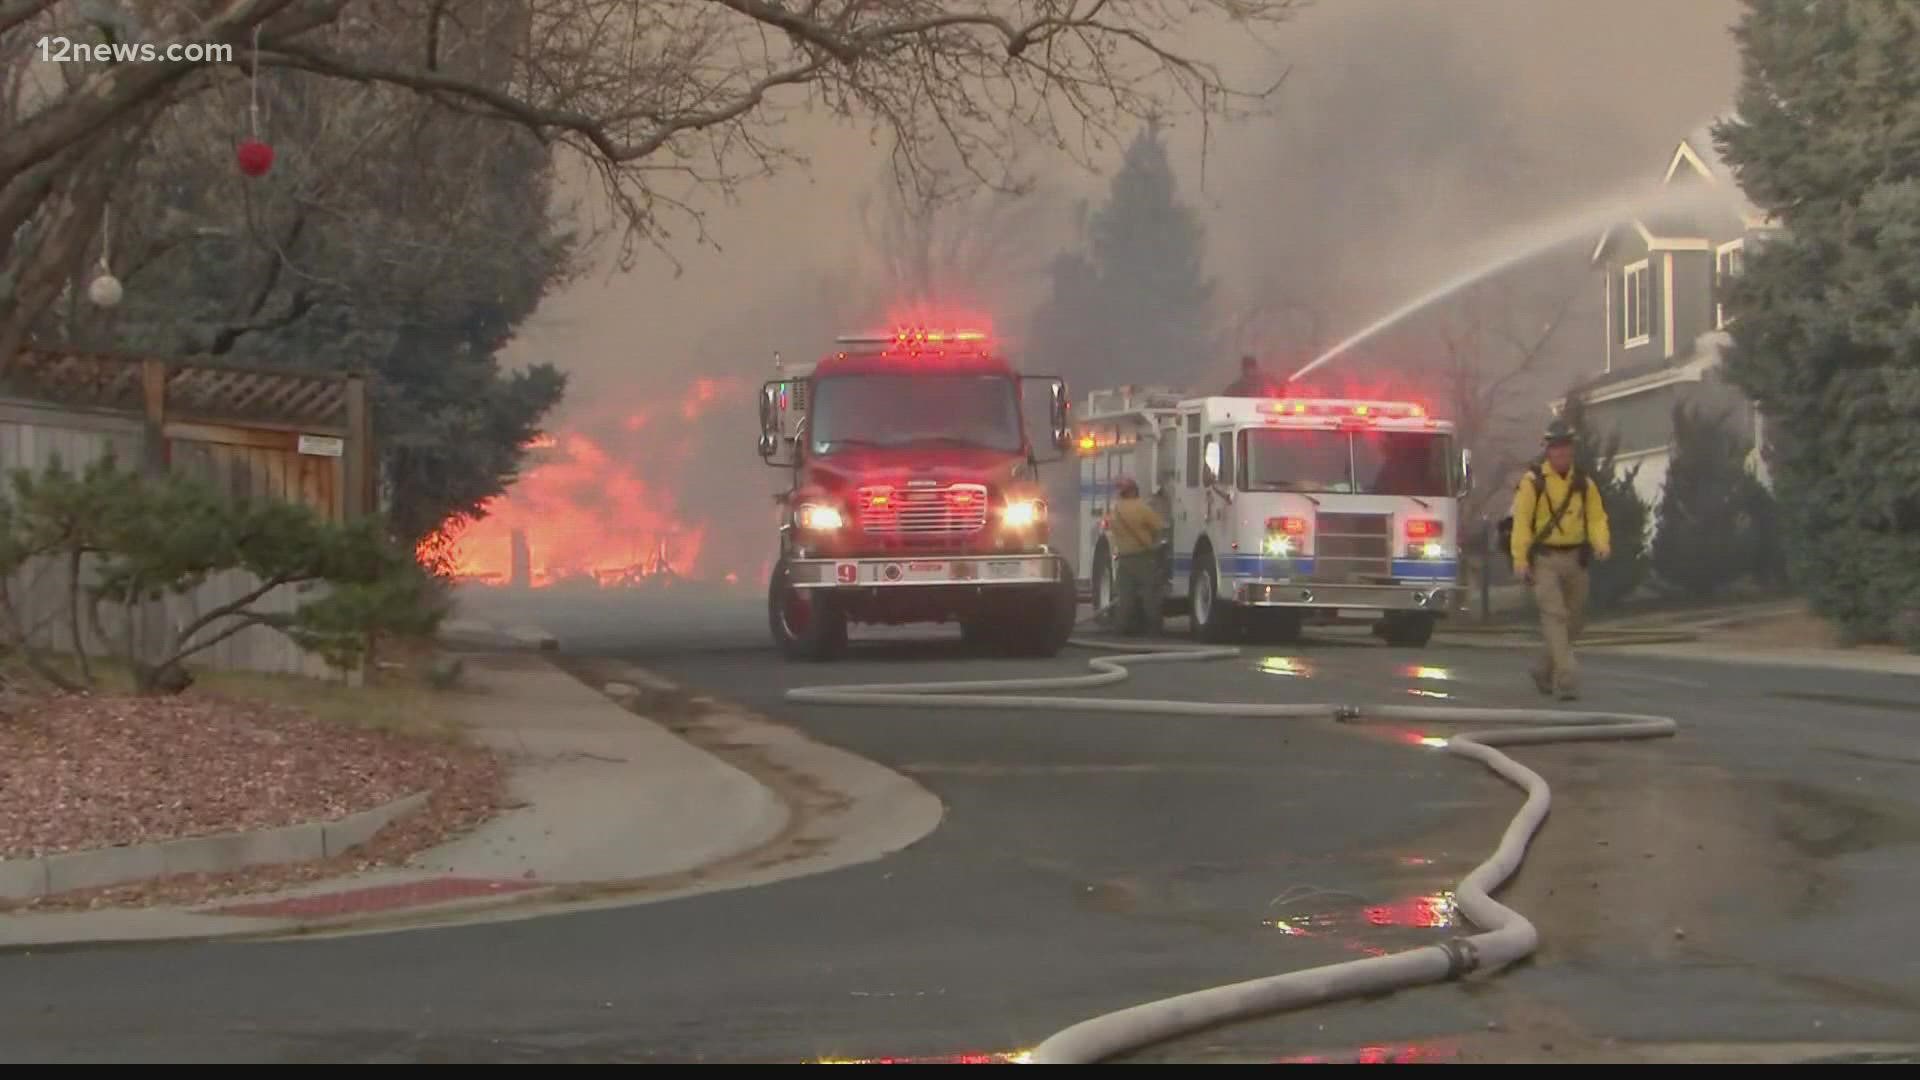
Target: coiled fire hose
1506,936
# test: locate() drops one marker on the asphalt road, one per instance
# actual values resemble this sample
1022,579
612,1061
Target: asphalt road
1746,882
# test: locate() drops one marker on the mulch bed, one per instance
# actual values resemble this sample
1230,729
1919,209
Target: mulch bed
80,771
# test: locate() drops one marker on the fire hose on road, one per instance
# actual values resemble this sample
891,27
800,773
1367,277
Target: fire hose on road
1506,936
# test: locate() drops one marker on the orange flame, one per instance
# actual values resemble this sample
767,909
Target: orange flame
593,508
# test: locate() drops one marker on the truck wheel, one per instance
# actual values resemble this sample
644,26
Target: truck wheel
806,625
1210,618
1044,632
1408,630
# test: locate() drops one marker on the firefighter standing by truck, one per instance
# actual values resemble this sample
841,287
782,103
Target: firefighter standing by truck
1559,526
1135,528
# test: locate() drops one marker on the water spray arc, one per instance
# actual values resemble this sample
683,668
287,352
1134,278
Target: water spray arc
1523,244
1506,936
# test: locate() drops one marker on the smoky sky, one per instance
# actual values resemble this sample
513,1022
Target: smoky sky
1405,132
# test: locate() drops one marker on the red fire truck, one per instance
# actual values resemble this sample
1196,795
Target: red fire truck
914,496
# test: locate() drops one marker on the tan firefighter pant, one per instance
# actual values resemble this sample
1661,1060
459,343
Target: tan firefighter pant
1560,592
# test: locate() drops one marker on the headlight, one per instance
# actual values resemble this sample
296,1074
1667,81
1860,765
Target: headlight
1021,513
819,518
1433,551
1278,545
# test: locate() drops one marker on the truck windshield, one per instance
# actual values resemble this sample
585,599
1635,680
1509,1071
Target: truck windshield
1414,463
871,410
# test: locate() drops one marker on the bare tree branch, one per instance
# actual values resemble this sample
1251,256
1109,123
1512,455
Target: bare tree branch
664,98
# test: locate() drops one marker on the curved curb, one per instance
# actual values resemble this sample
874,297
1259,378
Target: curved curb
48,875
845,811
851,811
880,813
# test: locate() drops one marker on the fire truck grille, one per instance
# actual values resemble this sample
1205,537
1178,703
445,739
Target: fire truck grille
1352,547
905,512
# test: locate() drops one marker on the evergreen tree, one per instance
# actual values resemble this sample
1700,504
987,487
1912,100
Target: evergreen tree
1705,539
1150,252
1766,554
1825,340
1136,306
1611,582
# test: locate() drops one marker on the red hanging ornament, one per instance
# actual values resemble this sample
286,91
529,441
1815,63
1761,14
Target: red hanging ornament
255,157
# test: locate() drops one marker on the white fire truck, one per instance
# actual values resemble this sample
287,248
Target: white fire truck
1282,510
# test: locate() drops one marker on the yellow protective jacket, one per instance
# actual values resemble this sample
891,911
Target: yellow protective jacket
1584,522
1134,527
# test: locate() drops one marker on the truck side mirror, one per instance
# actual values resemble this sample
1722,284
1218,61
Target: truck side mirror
1062,429
1466,471
773,437
1059,422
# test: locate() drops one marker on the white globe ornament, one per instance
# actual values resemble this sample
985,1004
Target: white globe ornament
105,291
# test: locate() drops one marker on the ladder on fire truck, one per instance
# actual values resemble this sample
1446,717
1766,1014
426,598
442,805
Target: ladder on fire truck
1123,400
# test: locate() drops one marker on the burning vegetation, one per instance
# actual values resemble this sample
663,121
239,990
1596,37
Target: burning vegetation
597,505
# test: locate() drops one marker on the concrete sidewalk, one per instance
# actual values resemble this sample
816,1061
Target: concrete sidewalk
601,795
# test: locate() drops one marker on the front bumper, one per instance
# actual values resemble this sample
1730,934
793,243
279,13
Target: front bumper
1436,596
963,571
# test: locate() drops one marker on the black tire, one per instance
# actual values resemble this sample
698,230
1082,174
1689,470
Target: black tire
1210,618
1408,630
1042,633
806,624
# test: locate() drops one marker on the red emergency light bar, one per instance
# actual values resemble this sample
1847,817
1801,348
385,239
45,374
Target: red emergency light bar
916,336
1365,410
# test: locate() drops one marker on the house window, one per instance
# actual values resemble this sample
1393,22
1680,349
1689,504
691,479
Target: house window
1636,299
1726,266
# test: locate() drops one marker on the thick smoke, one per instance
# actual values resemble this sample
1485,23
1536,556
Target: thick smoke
1404,135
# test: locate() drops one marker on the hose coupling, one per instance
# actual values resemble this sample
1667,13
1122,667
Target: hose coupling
1463,957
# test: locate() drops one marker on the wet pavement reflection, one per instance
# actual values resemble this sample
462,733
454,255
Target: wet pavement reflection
1421,1053
1361,926
1290,666
1011,1057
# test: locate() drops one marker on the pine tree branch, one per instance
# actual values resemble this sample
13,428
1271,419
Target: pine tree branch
235,606
182,650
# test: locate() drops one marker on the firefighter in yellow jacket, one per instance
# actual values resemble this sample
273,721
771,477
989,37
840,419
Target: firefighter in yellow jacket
1559,526
1135,529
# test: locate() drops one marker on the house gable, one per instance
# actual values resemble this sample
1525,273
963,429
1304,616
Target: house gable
1664,269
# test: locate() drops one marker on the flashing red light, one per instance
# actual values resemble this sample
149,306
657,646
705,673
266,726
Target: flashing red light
1290,526
919,335
1366,411
1423,529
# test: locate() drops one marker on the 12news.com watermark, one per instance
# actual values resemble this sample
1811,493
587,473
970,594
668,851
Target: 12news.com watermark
65,50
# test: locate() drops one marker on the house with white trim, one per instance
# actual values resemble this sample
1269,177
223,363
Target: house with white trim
1664,273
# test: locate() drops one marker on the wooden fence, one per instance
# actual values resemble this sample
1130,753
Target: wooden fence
282,433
